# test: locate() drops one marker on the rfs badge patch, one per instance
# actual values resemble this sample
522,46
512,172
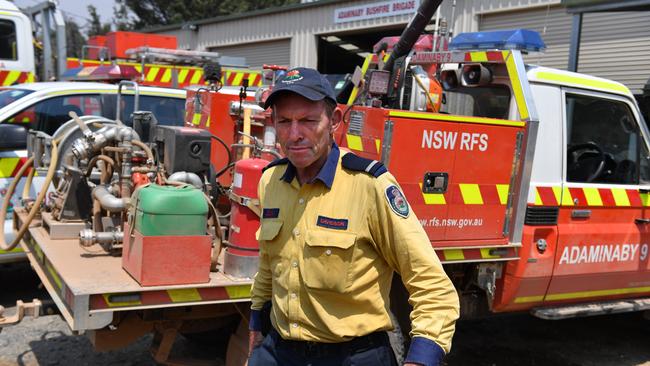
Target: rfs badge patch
397,201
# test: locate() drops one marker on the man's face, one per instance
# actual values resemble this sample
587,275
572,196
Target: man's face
304,129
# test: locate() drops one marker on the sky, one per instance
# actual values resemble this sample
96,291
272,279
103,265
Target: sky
78,9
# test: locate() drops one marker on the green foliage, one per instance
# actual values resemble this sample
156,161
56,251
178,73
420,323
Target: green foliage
74,38
121,19
96,27
164,12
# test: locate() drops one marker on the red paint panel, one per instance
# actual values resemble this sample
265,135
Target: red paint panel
547,196
634,197
213,293
495,56
490,194
607,197
579,194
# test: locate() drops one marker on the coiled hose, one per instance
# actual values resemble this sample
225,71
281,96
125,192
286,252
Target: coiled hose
37,203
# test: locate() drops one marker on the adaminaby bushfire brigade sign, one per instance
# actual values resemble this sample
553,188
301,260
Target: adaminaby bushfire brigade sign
375,10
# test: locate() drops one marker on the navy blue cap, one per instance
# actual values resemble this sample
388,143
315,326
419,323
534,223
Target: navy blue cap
303,81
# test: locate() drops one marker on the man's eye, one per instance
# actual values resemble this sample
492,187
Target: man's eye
283,121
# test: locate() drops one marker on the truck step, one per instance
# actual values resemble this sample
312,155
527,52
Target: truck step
591,309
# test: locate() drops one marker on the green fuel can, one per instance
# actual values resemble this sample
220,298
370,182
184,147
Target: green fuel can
170,210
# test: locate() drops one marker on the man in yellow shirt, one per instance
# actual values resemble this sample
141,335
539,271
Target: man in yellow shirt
334,227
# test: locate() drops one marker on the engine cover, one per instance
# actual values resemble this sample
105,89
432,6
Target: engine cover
183,149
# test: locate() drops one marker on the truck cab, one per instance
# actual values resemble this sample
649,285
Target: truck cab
16,50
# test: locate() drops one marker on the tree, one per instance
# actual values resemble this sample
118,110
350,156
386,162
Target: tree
74,39
96,28
121,19
151,13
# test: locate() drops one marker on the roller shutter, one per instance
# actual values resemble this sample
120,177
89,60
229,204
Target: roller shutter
614,45
257,54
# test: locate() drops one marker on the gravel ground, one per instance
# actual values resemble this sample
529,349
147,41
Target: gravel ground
503,340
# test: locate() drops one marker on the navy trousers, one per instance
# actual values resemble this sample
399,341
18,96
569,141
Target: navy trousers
370,351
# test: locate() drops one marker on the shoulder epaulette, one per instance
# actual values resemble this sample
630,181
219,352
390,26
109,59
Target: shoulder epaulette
276,162
356,163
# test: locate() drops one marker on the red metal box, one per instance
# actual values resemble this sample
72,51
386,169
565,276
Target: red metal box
166,260
119,42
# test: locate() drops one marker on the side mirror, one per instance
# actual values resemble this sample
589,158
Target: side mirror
12,137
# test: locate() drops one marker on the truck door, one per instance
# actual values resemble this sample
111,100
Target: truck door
16,50
603,228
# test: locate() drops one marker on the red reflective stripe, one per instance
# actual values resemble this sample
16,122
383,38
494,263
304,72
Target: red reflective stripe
489,194
547,196
413,194
3,76
635,198
607,197
20,164
456,195
579,194
494,56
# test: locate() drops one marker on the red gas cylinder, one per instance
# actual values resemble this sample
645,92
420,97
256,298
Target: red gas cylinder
241,255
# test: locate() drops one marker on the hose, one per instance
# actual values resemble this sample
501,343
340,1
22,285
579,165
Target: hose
28,185
105,175
146,149
37,203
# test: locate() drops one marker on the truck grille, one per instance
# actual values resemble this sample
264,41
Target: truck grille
541,215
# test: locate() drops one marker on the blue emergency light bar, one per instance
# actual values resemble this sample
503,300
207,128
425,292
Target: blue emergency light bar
516,39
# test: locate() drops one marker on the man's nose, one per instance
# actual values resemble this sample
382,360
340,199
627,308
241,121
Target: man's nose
295,131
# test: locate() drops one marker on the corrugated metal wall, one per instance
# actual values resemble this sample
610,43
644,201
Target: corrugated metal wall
613,45
259,53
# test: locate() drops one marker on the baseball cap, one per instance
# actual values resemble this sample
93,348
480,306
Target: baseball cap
304,81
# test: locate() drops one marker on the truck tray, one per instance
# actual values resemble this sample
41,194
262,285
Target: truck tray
89,286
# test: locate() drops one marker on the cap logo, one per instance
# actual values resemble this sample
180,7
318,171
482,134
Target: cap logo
292,76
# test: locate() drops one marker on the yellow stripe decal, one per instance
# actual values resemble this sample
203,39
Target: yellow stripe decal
14,250
485,254
182,74
471,194
30,77
120,303
378,145
184,295
451,118
581,81
55,276
524,299
196,77
7,166
238,78
239,292
433,198
645,198
563,196
167,76
478,56
354,142
516,84
38,250
538,198
454,254
583,294
196,119
12,76
207,123
364,68
593,196
502,190
152,73
620,197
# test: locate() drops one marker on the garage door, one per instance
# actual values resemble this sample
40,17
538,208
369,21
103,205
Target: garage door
258,54
614,45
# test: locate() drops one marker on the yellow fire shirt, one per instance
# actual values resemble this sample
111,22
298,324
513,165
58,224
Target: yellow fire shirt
328,250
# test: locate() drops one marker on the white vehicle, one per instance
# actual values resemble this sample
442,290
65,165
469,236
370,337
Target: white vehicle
45,107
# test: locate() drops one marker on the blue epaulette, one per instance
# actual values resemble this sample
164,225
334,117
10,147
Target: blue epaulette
276,162
356,163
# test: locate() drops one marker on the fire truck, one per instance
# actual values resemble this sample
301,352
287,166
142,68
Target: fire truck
532,184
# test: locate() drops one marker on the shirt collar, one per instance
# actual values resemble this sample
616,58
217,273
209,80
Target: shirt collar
326,173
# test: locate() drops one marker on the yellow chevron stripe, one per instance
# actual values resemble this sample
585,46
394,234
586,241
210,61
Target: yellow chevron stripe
583,294
196,119
485,254
120,303
593,196
239,292
563,196
502,190
378,145
583,81
433,198
7,166
454,254
452,118
620,197
471,194
11,78
354,142
238,78
182,75
538,198
55,276
152,73
224,77
30,77
196,77
184,295
516,84
478,56
645,198
167,76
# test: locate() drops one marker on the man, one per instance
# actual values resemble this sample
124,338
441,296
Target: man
334,227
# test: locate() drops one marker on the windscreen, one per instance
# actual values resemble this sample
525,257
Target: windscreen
10,95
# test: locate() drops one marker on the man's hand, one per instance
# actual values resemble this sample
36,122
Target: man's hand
254,339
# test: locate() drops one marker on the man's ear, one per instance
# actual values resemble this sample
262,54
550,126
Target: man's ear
337,118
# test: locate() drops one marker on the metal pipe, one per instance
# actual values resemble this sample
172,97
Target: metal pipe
186,177
107,200
88,237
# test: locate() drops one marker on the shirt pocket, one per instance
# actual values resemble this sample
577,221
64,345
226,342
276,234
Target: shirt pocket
327,258
268,230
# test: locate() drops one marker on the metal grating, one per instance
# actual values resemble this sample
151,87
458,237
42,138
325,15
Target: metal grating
541,215
357,120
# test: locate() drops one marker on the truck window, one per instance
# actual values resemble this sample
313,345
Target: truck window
48,115
168,111
8,50
604,141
